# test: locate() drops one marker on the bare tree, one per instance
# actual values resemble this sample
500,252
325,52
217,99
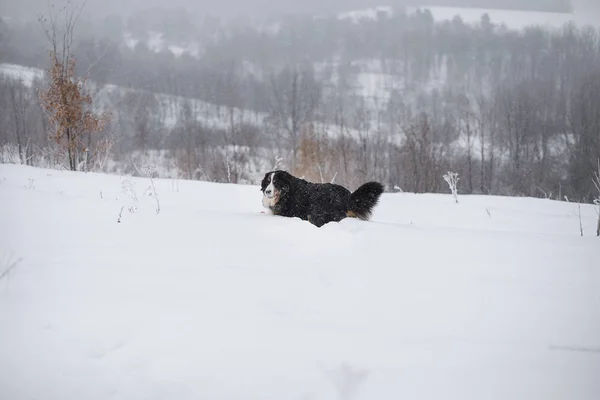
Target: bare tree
584,120
452,179
482,118
362,126
464,125
422,156
187,133
597,199
21,103
296,95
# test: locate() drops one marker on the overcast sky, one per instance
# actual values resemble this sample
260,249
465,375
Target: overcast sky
225,8
231,8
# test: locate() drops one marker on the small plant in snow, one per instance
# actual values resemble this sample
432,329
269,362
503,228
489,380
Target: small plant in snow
175,183
597,202
596,181
128,188
452,179
347,381
7,265
30,184
580,224
120,215
228,170
149,170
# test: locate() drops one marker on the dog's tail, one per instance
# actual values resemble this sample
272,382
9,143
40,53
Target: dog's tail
363,200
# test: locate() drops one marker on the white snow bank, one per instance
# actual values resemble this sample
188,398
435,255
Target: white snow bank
212,299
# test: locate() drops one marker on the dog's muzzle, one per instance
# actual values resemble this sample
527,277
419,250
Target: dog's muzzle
269,198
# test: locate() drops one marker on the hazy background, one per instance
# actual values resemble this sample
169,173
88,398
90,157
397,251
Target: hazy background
509,99
276,8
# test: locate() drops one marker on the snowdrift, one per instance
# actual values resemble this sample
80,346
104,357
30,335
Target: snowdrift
209,298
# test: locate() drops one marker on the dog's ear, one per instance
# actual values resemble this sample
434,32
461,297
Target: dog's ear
284,181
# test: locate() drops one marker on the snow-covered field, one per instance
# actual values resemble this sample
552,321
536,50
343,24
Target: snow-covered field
493,298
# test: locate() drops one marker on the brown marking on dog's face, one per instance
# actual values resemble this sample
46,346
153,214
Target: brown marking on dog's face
275,198
350,214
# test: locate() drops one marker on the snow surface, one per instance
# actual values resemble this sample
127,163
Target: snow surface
493,298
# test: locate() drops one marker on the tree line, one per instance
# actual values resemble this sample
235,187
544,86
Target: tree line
513,112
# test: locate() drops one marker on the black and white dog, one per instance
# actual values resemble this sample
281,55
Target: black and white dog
317,203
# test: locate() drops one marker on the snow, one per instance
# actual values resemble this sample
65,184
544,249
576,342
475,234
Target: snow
513,19
367,13
157,43
494,297
27,75
129,40
210,115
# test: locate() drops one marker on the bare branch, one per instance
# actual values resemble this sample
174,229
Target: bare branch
98,59
580,223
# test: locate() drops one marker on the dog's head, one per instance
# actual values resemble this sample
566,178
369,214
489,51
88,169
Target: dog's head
275,185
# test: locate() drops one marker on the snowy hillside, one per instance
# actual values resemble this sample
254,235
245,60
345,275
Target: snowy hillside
512,19
157,43
368,13
26,75
493,298
211,116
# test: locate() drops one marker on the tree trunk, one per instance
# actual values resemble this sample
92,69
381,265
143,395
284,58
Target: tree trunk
17,104
482,142
88,152
491,162
71,151
469,154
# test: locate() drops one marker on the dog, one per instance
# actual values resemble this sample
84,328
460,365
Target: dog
318,203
